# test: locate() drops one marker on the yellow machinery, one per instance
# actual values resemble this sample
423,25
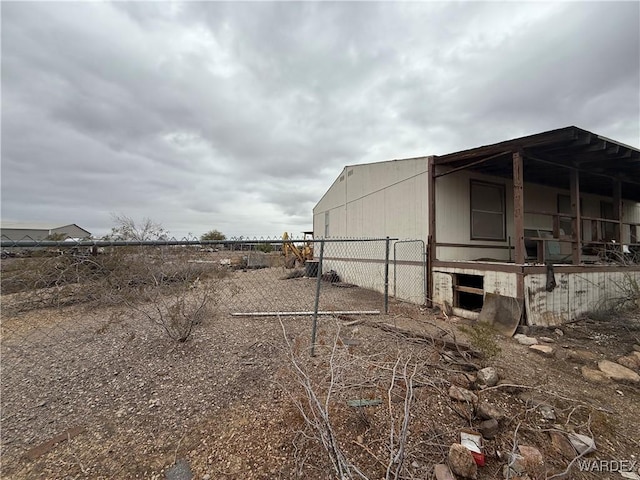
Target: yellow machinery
294,255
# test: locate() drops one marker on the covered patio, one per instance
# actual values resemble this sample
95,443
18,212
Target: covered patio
595,238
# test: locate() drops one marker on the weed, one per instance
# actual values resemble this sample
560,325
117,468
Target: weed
483,338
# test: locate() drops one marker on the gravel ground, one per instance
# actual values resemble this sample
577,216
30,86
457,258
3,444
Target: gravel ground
95,393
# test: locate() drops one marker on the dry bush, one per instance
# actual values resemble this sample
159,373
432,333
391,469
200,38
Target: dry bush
483,338
627,298
164,284
337,376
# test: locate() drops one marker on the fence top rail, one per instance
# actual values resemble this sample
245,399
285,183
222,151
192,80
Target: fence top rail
27,243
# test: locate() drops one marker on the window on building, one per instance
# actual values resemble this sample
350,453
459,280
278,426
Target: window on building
326,224
488,219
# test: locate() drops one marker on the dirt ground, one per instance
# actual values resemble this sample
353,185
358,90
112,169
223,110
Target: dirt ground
94,393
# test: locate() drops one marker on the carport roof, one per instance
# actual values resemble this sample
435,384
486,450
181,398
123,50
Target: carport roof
550,156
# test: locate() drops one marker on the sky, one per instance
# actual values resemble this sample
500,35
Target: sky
239,116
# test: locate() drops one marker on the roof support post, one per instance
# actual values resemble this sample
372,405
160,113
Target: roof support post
617,208
576,221
431,240
518,207
518,219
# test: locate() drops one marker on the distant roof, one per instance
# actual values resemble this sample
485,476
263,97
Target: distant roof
37,226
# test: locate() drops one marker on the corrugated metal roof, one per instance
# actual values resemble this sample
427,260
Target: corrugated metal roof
36,226
31,225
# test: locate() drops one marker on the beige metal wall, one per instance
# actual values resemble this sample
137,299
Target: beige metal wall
377,200
453,217
71,231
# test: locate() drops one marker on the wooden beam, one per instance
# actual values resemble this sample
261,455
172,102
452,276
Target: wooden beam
431,239
469,165
576,245
588,171
518,208
475,291
518,219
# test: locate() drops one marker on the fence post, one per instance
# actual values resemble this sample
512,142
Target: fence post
317,300
386,277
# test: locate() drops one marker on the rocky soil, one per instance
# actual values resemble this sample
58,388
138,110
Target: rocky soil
95,393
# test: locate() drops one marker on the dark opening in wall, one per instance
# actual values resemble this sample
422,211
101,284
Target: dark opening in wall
470,301
468,291
465,280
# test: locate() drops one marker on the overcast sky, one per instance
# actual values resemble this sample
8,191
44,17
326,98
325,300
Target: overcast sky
239,116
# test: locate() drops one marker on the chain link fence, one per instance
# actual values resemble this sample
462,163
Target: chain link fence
410,271
75,313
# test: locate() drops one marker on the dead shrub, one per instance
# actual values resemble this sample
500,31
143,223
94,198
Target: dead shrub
627,298
165,284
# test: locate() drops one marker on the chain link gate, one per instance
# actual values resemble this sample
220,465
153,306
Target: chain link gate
410,271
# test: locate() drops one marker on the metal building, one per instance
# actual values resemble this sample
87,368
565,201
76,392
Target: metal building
551,220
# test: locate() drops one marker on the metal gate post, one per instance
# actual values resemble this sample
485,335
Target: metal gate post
317,300
386,277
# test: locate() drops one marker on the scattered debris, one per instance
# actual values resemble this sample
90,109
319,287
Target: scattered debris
630,361
50,444
488,411
582,356
331,276
528,460
547,340
364,402
558,332
431,340
487,377
562,444
343,285
308,312
631,475
461,461
350,342
616,371
545,350
532,457
179,471
463,380
524,340
547,412
501,312
472,441
295,273
443,472
594,376
489,428
582,443
462,394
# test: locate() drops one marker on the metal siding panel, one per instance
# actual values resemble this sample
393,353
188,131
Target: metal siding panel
576,294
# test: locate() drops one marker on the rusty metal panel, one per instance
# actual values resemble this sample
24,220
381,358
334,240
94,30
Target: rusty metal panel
574,295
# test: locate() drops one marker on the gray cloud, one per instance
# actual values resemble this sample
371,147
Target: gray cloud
238,116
